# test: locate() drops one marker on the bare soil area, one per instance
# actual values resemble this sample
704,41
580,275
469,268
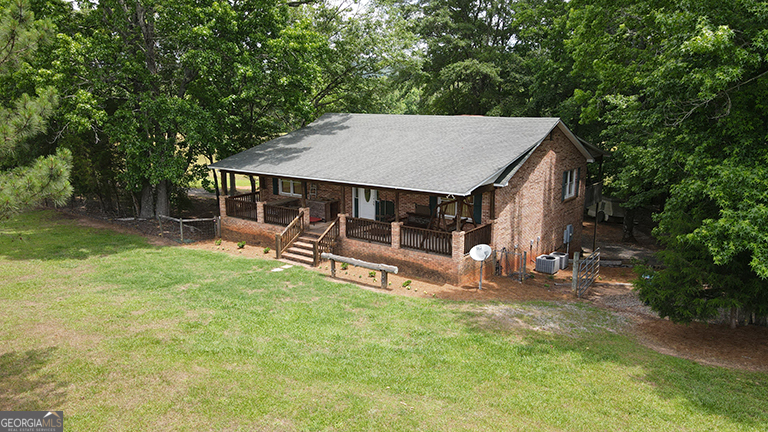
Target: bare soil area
743,348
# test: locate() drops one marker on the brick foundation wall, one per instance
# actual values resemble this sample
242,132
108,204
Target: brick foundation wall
252,233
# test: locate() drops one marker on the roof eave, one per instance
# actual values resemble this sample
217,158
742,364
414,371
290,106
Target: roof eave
576,142
365,185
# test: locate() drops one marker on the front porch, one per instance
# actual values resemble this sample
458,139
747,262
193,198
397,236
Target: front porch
435,254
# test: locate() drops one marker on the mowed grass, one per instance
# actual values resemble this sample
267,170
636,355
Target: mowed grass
122,335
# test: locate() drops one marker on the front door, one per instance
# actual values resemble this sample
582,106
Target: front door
366,203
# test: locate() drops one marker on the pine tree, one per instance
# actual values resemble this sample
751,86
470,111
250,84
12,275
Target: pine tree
24,183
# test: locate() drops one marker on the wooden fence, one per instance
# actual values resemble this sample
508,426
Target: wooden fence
479,235
439,242
364,229
277,215
242,206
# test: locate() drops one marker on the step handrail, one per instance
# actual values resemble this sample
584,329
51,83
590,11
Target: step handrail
294,229
325,242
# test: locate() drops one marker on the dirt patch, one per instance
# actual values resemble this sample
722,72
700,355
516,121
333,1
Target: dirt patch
710,344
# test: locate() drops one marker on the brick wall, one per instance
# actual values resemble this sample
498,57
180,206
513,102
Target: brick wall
531,208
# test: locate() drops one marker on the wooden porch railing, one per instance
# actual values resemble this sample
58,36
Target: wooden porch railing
439,242
326,241
365,229
242,206
277,215
479,235
289,234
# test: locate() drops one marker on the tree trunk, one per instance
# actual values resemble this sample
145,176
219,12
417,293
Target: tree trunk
163,206
232,184
734,317
147,210
628,228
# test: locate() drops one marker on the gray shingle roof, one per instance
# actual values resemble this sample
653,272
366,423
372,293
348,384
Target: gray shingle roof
436,154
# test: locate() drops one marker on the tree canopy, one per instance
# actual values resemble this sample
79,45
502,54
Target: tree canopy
26,178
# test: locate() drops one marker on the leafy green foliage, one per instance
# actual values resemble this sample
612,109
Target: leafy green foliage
680,87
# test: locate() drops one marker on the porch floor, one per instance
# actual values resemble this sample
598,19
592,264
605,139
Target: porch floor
318,228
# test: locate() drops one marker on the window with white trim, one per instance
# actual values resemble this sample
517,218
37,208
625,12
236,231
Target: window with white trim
569,183
450,209
290,187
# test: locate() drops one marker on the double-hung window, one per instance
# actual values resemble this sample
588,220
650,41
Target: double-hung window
571,183
290,187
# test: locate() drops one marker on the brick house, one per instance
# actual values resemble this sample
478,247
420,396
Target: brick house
412,191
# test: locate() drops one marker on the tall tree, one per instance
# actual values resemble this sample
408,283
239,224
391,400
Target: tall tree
24,180
679,86
494,57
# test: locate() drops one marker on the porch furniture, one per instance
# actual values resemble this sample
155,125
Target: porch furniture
419,218
323,209
286,202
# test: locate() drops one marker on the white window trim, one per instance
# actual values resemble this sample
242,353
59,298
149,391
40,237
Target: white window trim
570,184
291,192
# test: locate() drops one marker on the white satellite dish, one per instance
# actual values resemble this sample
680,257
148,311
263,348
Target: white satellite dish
480,253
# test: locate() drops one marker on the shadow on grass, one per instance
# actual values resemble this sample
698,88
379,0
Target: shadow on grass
736,395
46,235
26,386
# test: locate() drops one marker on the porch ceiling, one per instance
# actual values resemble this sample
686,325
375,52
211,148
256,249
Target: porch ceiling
444,155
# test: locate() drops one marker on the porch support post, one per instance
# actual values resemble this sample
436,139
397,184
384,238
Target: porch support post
224,188
260,211
493,204
304,195
459,212
396,234
343,205
397,206
262,189
342,225
306,216
253,184
458,245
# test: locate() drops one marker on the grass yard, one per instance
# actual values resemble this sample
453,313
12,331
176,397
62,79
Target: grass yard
123,335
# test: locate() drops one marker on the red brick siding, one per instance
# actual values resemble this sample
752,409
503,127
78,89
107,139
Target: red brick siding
531,208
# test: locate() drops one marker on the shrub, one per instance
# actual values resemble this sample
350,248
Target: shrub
266,250
240,245
407,283
217,242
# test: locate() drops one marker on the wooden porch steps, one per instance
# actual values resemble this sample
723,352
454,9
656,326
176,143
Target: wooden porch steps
302,250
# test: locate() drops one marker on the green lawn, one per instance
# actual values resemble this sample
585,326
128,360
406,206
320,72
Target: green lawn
122,335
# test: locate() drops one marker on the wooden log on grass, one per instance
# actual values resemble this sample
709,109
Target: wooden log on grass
383,268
